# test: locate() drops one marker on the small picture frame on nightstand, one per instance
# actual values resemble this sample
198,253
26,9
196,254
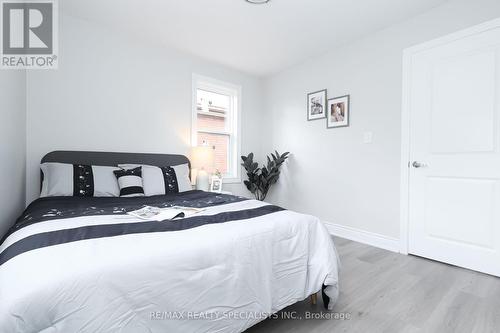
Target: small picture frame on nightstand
216,185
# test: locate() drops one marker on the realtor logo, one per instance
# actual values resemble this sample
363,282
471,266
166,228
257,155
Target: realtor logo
29,34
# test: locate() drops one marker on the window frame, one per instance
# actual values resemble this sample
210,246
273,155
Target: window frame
234,91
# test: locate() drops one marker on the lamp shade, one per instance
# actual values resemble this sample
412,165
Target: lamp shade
202,157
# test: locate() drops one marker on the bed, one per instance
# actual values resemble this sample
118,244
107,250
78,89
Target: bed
73,264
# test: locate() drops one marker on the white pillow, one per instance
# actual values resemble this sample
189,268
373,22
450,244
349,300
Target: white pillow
160,180
61,179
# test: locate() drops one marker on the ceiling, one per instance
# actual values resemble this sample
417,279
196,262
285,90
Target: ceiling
257,39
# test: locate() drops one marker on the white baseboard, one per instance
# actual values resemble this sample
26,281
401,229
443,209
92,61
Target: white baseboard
365,237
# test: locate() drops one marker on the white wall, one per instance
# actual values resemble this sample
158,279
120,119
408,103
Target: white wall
112,93
12,146
331,173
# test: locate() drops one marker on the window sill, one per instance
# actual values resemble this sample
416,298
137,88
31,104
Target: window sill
233,180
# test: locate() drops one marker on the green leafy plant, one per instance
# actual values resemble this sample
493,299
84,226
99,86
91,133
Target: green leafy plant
260,179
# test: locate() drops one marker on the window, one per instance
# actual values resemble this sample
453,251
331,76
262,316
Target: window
216,110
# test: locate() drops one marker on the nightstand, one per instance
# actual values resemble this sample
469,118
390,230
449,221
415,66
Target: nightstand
225,192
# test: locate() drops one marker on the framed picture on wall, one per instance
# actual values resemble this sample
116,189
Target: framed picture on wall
337,112
316,105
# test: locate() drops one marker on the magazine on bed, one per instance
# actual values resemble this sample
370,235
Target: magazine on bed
151,213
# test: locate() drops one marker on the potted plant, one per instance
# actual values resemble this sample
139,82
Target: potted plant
260,179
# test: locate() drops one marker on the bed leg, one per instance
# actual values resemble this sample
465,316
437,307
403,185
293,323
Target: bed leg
314,299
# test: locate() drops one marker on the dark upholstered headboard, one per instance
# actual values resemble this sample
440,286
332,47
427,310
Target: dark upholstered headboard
113,159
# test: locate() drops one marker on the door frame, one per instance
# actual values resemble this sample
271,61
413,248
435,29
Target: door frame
408,54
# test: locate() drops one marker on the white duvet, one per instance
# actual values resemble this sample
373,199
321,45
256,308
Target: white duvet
214,278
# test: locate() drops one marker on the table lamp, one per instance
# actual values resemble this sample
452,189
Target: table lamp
202,159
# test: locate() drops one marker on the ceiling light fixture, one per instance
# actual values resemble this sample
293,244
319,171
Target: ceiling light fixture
257,2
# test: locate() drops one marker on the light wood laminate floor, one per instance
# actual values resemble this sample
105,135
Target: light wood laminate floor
384,291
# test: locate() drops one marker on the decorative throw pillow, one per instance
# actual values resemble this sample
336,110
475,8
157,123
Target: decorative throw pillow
163,180
130,182
61,179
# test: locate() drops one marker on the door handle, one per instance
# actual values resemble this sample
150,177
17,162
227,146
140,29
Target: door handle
417,164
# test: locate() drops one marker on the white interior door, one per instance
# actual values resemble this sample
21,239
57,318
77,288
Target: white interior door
454,181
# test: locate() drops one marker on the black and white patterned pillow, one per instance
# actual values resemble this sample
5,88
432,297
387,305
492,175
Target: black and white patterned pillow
62,179
130,182
163,180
